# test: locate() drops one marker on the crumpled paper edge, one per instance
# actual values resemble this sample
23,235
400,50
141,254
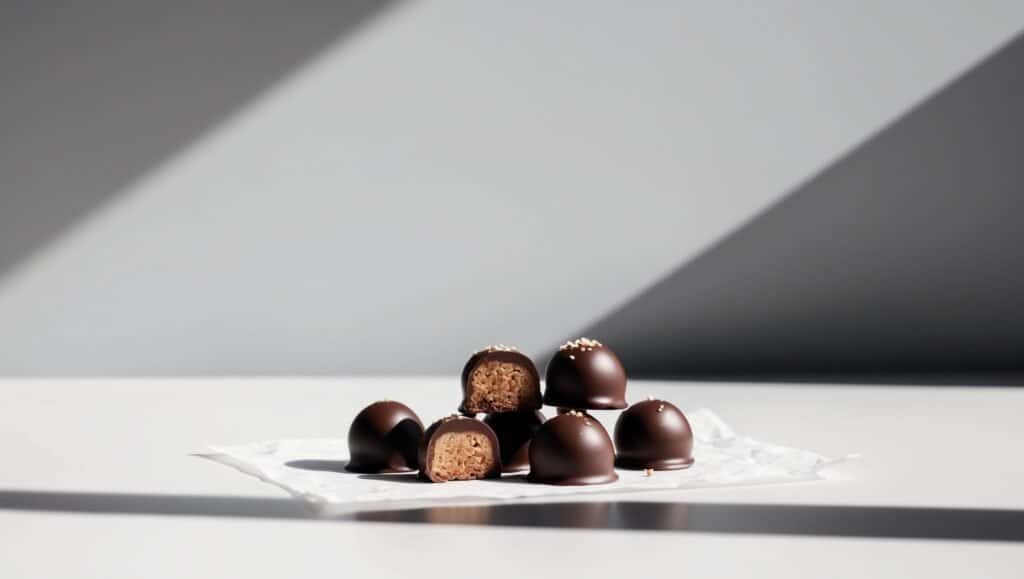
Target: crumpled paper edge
720,434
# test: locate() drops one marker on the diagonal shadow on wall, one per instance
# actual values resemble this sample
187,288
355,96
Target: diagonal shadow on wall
904,256
96,94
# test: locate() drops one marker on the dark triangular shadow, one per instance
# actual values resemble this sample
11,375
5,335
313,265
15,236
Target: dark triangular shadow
905,256
94,97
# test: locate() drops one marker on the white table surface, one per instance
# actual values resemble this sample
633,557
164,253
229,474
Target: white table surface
941,446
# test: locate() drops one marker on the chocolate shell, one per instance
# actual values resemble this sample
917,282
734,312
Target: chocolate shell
653,434
384,438
514,431
499,379
459,448
572,449
585,374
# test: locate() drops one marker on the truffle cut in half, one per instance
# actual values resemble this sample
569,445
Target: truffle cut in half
459,448
499,379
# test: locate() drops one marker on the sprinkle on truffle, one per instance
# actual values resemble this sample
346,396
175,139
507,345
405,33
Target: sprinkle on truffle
648,471
581,344
661,407
497,348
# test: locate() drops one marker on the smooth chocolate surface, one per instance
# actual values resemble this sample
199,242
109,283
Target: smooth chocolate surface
653,434
456,424
514,431
506,355
572,449
384,438
585,374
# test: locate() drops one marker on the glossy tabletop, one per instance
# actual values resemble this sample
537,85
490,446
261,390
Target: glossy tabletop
97,481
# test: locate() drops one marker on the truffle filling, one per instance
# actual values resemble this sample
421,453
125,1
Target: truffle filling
501,387
461,456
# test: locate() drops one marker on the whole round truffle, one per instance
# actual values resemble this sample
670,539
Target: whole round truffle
572,449
384,438
653,434
515,430
585,374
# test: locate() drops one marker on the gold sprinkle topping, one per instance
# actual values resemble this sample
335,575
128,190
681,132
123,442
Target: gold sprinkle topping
648,471
581,344
650,398
496,348
661,407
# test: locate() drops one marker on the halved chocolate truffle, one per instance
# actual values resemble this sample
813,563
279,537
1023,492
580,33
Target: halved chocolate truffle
384,437
459,448
499,379
572,449
585,374
514,431
653,434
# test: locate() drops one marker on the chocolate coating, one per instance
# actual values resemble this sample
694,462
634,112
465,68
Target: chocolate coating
454,424
514,431
653,434
506,354
572,449
384,437
585,374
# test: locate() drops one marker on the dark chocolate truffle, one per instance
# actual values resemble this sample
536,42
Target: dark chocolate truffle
514,431
572,449
459,448
585,374
384,437
499,379
653,434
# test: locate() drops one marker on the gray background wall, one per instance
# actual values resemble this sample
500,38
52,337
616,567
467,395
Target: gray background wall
905,256
381,191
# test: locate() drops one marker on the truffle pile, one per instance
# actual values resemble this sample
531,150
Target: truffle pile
499,427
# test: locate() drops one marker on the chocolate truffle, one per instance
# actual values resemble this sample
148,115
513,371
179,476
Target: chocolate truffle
514,431
653,434
499,379
572,449
585,374
384,437
459,448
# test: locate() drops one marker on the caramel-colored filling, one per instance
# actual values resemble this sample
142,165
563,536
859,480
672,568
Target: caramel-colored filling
461,456
501,387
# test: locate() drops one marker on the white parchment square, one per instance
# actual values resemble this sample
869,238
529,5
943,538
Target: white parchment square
313,470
